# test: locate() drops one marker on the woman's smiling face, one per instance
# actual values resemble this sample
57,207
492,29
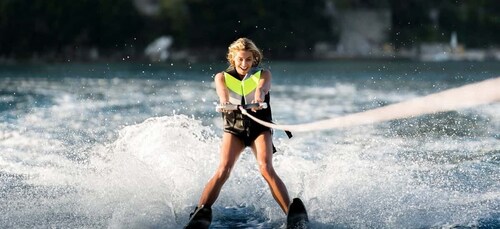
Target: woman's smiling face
243,61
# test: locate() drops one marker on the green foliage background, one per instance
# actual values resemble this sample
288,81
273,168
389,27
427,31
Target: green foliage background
283,28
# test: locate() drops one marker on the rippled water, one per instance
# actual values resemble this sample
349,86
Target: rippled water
132,145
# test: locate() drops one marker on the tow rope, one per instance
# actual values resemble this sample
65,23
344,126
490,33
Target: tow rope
475,94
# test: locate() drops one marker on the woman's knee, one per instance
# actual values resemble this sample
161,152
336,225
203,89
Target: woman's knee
266,170
223,172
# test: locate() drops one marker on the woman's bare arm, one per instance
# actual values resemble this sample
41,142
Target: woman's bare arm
220,87
263,87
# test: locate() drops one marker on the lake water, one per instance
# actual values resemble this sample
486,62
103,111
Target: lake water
128,145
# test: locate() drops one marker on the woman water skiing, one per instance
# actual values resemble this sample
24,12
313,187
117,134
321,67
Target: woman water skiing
244,83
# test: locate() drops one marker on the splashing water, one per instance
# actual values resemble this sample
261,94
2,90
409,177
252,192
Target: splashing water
77,153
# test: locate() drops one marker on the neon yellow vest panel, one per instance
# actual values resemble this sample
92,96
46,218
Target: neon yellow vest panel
242,88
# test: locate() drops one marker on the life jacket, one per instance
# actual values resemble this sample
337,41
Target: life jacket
242,91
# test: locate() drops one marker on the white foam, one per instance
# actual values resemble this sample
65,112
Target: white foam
93,157
152,173
351,185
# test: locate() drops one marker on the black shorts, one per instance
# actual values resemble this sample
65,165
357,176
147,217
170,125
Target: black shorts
243,127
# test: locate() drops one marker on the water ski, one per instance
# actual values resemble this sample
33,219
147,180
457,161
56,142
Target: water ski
201,218
297,215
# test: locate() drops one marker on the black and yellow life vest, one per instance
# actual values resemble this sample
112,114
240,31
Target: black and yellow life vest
242,91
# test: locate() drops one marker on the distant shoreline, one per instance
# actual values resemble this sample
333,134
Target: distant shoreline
88,55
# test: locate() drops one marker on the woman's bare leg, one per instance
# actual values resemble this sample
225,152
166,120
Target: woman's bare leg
263,149
231,148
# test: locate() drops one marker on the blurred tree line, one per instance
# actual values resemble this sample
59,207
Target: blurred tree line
283,28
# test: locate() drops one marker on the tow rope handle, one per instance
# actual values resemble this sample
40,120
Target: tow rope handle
244,108
233,107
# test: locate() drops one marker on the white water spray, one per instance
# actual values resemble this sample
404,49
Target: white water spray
484,92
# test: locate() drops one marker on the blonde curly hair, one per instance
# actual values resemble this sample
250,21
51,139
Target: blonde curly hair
244,44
